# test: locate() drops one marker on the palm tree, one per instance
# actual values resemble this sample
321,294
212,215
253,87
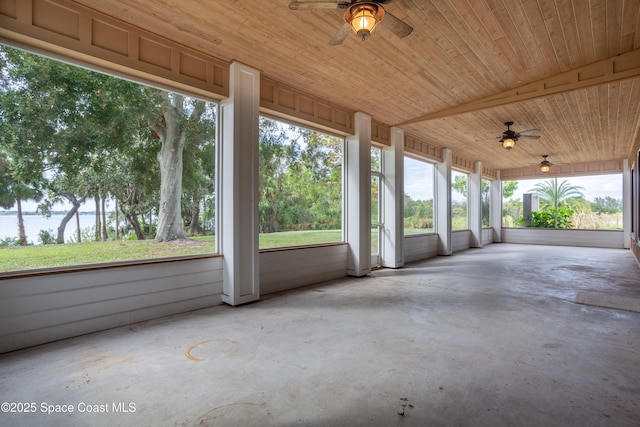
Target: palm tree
12,193
568,196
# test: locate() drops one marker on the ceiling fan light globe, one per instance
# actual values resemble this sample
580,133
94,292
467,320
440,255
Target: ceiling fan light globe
544,168
508,143
363,18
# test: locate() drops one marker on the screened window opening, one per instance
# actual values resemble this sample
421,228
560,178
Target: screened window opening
418,197
486,203
86,161
459,201
586,203
300,186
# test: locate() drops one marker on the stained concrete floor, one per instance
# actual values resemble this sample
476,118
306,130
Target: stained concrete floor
486,337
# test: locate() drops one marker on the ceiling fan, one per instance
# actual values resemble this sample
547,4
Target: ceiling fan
509,137
360,16
545,164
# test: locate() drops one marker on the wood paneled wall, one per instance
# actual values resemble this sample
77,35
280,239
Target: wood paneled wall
580,169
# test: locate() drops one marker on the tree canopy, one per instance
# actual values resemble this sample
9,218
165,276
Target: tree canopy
78,134
300,179
565,194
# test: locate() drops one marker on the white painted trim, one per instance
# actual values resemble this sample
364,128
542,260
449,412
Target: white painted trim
393,201
357,196
474,197
442,218
496,208
239,184
626,203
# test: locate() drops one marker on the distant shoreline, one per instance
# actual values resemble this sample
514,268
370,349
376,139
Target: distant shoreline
13,213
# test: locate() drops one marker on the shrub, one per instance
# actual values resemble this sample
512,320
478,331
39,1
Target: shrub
9,241
46,237
547,218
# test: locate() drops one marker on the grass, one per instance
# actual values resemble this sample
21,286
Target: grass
416,231
20,258
298,238
17,258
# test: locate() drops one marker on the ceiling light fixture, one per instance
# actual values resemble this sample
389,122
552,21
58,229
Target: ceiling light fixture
545,165
508,143
363,18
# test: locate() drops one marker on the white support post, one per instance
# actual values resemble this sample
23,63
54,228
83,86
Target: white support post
626,204
496,208
357,196
393,209
239,186
443,203
475,205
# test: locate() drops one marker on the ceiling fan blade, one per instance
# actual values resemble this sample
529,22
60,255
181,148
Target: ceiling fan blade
529,136
300,5
340,35
529,130
398,27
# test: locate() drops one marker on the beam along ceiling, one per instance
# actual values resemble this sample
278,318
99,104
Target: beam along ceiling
460,51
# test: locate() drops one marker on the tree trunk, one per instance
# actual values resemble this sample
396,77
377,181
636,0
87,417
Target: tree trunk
63,224
173,136
104,218
194,227
117,221
98,224
22,235
78,235
133,220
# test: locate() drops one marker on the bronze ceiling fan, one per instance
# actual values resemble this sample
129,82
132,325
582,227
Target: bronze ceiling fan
360,16
545,164
510,137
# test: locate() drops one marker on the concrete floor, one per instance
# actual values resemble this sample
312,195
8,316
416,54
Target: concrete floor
486,337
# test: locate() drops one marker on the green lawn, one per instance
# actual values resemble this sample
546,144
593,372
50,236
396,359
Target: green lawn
44,256
299,238
48,256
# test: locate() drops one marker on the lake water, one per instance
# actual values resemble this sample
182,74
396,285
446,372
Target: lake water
34,223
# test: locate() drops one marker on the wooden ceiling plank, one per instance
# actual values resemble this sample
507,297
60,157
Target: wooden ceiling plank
614,27
632,110
636,41
599,26
510,29
615,124
629,19
568,22
508,64
603,99
623,66
593,96
581,104
541,43
585,31
465,39
556,34
460,51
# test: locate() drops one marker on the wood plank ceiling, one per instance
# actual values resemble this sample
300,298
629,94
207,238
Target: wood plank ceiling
460,51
